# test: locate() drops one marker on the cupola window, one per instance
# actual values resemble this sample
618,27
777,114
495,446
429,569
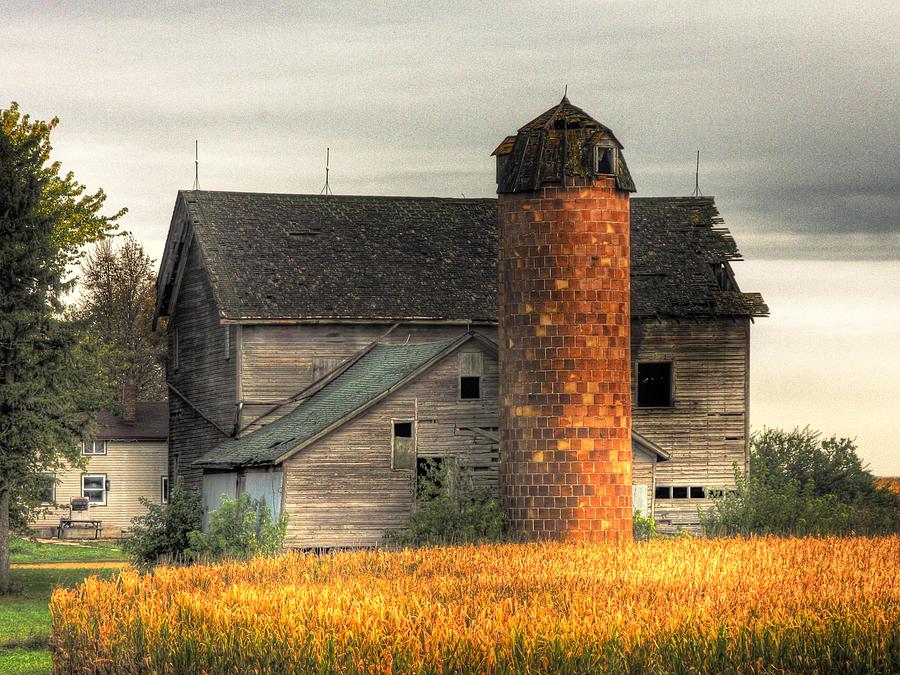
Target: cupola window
604,159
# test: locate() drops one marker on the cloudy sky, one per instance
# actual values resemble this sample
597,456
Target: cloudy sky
793,107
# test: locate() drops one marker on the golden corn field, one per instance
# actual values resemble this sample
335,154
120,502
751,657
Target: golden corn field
683,605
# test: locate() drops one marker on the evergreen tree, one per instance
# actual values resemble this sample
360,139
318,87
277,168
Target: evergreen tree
49,390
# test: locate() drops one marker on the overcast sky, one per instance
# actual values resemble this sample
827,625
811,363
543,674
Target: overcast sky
793,106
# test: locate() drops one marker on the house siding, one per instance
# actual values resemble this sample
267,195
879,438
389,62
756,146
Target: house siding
133,469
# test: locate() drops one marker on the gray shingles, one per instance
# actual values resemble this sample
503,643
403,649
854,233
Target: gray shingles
282,256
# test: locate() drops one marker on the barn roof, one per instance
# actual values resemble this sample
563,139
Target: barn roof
378,372
151,423
285,257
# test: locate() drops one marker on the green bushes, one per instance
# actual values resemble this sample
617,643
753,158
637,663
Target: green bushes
238,529
451,508
799,484
163,532
642,529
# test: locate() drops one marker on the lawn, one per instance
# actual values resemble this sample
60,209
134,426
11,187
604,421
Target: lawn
24,617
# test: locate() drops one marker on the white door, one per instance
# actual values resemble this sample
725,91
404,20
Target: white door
216,486
639,501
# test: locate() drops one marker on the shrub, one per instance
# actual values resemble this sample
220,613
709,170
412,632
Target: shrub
451,508
162,533
799,484
642,529
239,529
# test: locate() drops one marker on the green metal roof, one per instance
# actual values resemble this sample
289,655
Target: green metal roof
376,372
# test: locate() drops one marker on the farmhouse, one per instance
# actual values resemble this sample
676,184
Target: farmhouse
126,459
322,347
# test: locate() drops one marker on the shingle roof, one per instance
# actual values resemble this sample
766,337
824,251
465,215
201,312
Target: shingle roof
151,423
302,257
379,370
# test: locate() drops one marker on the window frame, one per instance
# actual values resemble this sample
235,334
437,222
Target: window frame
470,366
93,453
477,379
92,503
601,147
414,436
52,478
637,384
163,489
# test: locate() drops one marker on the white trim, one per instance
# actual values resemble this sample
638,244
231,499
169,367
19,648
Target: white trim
93,452
102,476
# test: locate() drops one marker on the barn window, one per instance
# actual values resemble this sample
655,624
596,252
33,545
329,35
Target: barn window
654,388
663,492
471,368
93,486
430,477
604,159
404,445
679,492
697,492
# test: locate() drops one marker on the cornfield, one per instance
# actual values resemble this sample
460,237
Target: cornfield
764,605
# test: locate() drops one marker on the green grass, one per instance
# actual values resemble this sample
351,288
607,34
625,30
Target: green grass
30,551
25,619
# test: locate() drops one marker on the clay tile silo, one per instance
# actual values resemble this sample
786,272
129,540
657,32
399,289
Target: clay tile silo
565,376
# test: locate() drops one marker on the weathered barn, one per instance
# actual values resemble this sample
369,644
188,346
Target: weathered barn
311,336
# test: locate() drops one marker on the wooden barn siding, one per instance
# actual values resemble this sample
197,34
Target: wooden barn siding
279,361
342,492
133,469
710,359
204,375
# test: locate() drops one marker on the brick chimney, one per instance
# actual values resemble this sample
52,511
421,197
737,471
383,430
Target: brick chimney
129,403
565,362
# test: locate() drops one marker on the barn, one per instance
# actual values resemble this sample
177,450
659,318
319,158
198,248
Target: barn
321,347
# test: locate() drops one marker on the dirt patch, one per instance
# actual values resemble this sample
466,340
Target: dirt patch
99,564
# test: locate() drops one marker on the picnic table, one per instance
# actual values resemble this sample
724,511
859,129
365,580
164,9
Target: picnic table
67,523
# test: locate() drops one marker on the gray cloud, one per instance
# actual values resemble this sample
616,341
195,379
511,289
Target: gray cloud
793,107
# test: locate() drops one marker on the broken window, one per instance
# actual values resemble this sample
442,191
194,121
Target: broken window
404,445
654,389
471,368
604,160
430,476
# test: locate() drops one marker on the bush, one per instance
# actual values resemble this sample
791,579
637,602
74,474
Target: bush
799,484
451,508
239,529
642,529
162,534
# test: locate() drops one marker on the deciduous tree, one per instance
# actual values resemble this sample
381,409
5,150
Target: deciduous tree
48,378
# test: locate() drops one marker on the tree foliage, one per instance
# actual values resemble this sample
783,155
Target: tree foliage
49,391
162,534
801,484
116,305
451,508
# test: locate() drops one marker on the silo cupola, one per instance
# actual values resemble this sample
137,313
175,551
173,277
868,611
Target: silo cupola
563,141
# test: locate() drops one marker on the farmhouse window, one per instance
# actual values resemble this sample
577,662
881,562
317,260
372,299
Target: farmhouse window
47,490
654,387
471,368
164,489
404,445
93,486
93,448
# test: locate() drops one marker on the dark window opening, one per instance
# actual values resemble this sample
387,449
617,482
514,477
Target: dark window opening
697,493
430,477
604,160
679,492
654,389
164,489
470,387
47,490
402,429
663,492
